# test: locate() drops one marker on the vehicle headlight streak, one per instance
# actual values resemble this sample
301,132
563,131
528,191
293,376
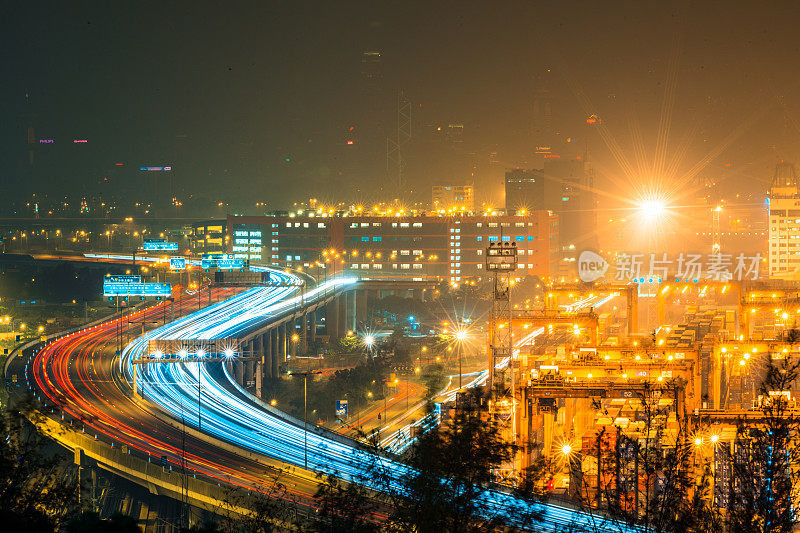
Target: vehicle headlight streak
231,415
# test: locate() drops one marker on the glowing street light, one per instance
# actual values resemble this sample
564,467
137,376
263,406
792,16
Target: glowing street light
183,352
228,352
369,340
652,209
566,449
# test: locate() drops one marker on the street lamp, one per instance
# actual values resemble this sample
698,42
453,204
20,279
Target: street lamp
369,342
305,375
461,336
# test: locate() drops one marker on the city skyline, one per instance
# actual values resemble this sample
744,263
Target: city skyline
277,103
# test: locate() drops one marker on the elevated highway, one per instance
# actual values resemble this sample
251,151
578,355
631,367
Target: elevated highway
199,418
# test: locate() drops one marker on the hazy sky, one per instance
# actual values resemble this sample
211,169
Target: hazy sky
247,85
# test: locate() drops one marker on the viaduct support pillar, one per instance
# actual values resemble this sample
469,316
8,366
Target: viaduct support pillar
280,335
342,303
332,319
248,365
361,306
312,327
265,342
238,367
258,373
273,344
304,333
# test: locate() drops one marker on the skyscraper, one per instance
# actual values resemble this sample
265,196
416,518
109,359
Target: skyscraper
784,221
524,190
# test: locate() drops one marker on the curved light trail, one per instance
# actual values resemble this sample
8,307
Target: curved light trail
226,412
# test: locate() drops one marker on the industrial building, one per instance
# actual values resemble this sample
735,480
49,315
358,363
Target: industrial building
450,248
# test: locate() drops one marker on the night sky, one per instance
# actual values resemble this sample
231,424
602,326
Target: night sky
226,92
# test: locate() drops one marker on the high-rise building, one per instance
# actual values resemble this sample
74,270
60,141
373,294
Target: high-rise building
449,198
569,191
564,186
784,221
524,190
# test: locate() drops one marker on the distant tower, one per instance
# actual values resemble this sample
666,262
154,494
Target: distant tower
31,135
396,147
542,131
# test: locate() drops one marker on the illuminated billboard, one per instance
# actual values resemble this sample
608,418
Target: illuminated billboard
159,245
221,261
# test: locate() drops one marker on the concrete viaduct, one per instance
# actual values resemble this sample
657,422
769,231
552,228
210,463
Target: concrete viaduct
265,348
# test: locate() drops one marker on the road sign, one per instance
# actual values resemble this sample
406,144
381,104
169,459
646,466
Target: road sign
123,279
159,244
221,261
341,407
177,263
113,288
